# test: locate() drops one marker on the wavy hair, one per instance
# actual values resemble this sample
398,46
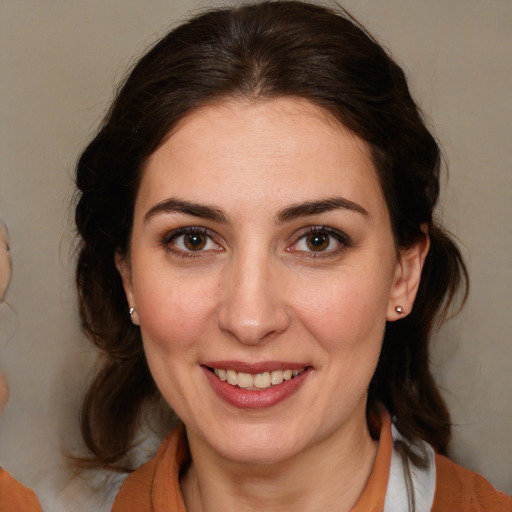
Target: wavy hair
261,50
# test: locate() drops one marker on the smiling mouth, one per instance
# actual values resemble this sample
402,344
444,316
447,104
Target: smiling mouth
258,381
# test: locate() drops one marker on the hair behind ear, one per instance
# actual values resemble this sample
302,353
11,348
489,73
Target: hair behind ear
403,381
444,286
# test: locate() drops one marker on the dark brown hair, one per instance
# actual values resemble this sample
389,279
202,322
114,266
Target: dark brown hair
262,50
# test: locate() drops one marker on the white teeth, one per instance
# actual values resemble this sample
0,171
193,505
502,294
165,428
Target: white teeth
262,380
276,377
222,374
232,377
258,381
245,380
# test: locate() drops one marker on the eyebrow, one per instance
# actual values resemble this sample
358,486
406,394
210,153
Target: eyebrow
173,205
320,206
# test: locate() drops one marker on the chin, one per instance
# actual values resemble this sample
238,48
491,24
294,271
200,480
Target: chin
258,445
269,455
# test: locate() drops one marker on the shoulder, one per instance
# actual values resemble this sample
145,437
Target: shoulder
465,491
155,485
15,496
134,494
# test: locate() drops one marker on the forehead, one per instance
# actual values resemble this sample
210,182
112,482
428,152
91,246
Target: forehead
260,151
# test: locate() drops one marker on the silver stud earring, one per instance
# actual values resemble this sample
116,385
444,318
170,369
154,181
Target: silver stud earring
399,310
131,310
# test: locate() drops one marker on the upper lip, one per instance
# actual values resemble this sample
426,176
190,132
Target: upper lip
255,367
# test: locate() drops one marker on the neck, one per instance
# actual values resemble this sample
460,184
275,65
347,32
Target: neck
330,475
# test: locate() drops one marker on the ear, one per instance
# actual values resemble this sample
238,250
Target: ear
123,267
407,277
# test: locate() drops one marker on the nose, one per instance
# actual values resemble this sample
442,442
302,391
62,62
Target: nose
253,307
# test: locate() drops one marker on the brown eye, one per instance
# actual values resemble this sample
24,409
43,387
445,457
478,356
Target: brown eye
317,241
190,240
321,241
195,241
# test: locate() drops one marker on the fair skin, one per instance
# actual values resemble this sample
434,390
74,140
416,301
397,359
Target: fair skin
5,278
5,261
261,242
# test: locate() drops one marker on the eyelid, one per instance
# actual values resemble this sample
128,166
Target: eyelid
341,237
168,237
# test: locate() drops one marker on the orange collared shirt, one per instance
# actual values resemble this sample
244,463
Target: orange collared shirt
155,486
15,497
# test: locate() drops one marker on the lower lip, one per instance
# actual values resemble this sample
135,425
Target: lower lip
253,399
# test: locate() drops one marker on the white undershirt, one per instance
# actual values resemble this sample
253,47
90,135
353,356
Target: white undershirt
423,480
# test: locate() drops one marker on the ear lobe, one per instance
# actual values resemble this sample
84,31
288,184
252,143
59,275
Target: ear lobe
407,278
123,267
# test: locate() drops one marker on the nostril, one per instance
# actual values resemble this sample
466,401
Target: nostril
253,323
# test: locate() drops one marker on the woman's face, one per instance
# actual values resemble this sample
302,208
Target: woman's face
262,248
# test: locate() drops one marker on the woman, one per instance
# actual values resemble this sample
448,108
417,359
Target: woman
259,247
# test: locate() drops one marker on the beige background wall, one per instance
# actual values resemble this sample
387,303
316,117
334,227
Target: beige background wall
59,62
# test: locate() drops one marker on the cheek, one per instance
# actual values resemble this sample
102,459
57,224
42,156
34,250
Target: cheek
350,308
347,322
174,313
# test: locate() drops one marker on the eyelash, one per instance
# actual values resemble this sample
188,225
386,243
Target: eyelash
340,237
169,238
